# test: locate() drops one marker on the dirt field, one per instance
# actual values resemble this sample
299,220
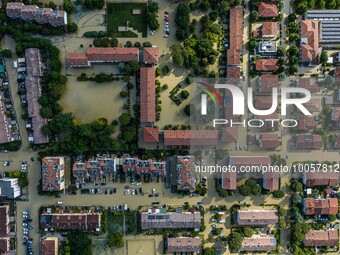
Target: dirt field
141,246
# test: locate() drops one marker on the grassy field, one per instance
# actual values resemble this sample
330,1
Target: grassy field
119,13
114,222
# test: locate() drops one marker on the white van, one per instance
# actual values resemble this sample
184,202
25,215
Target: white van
60,202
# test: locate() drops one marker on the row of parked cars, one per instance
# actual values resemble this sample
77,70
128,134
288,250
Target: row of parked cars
25,230
98,191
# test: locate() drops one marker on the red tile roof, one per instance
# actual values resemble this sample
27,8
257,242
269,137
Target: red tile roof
76,59
151,134
190,137
249,160
268,10
306,123
269,141
52,174
233,72
259,243
313,105
183,244
267,125
236,28
312,206
229,180
309,41
321,179
47,247
337,74
267,65
322,238
270,29
271,181
5,245
307,141
71,221
186,175
150,54
263,102
257,217
147,94
4,220
112,54
305,83
230,134
267,82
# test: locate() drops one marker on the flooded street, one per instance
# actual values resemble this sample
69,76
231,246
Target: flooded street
89,100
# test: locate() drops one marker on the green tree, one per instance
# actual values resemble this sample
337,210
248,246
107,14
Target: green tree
281,51
278,194
185,94
301,8
331,4
282,224
253,16
80,244
323,57
209,251
125,119
152,21
116,240
252,44
247,232
182,21
6,53
68,6
134,66
204,5
332,217
296,186
71,27
153,7
322,4
235,241
293,37
114,42
190,109
299,230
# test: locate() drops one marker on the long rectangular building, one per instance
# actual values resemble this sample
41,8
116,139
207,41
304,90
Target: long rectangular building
259,243
190,137
30,13
155,219
329,25
147,95
257,217
34,69
71,221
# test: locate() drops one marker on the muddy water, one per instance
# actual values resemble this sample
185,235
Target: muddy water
89,100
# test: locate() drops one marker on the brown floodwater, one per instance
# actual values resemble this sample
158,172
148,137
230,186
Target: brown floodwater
89,100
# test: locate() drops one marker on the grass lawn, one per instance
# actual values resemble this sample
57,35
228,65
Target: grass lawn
130,222
119,13
114,222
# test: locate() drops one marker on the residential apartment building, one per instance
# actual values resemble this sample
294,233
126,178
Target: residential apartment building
151,134
140,166
329,179
34,69
160,219
112,55
268,10
32,13
49,246
235,43
5,245
322,206
229,178
53,174
185,173
70,221
271,181
183,244
147,95
257,217
94,168
308,142
329,26
309,42
258,243
190,138
9,187
267,82
321,238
